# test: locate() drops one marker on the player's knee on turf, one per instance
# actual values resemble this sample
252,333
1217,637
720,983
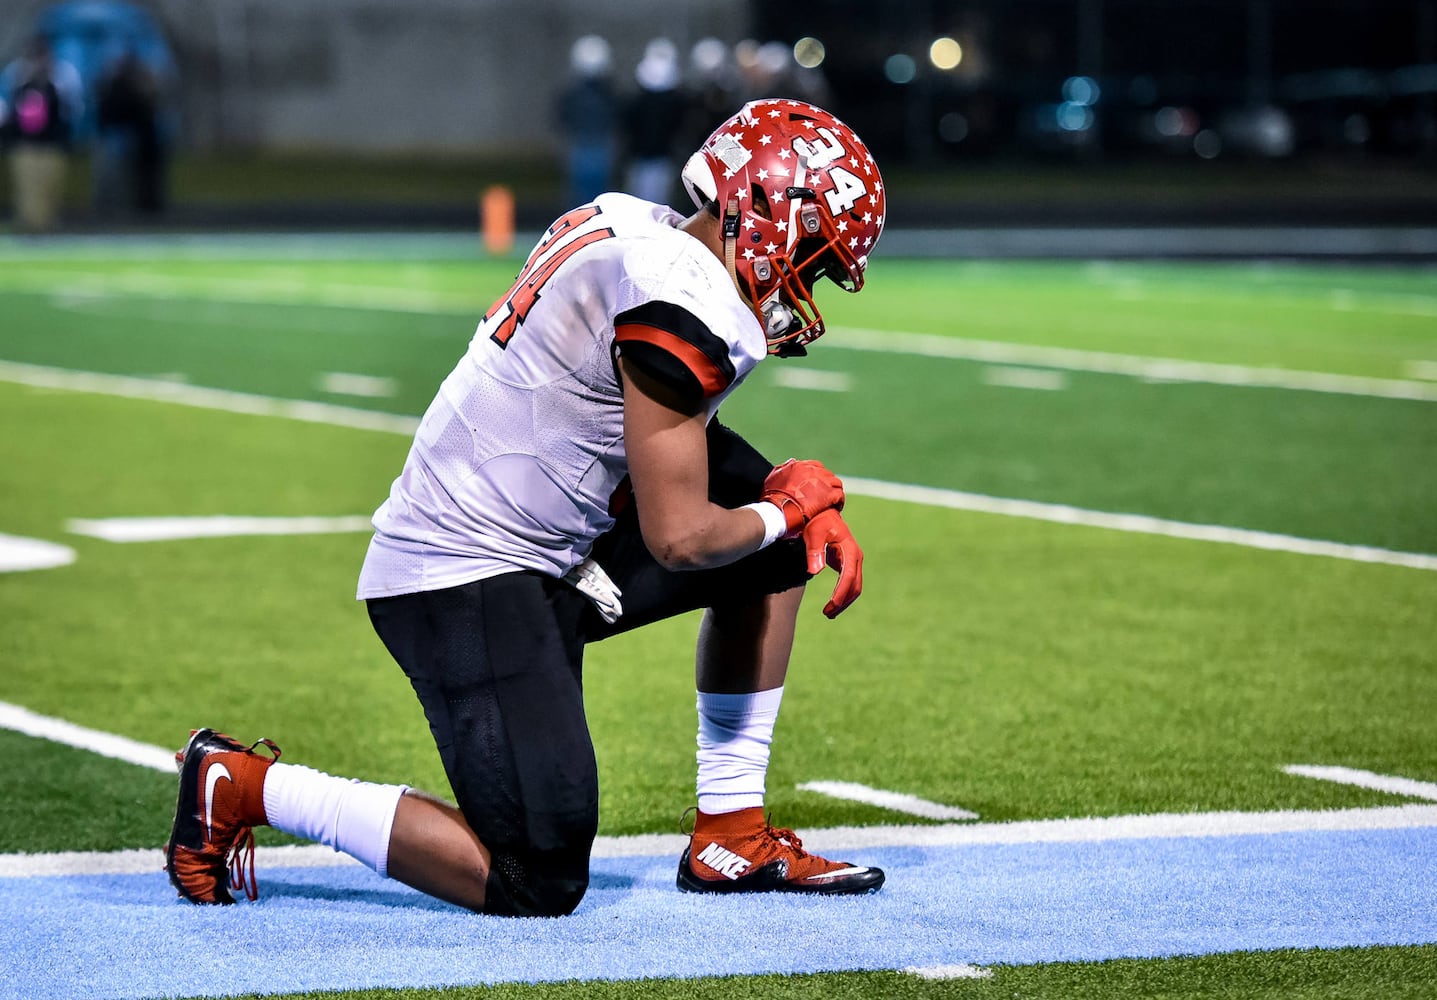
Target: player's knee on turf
534,886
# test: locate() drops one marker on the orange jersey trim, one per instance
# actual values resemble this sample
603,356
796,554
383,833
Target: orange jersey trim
709,377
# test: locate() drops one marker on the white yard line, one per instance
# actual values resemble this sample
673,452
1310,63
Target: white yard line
931,345
833,839
22,720
895,801
163,529
1367,779
1137,523
344,416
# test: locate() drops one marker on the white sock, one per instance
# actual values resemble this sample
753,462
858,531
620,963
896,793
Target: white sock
351,816
735,731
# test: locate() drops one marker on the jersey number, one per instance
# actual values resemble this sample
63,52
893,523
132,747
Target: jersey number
557,246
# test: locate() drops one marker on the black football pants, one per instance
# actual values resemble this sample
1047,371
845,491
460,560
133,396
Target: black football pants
498,667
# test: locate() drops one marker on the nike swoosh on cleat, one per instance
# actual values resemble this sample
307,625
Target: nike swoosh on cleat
841,871
213,774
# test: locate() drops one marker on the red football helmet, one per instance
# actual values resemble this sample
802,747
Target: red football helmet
800,199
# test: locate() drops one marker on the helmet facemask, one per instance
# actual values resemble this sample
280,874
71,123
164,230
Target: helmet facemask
779,284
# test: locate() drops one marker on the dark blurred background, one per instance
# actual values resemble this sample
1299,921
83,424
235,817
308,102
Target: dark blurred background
390,113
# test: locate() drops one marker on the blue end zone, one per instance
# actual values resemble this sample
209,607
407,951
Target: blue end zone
344,928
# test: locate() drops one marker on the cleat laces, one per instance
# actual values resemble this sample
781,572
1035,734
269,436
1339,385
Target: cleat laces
241,854
241,864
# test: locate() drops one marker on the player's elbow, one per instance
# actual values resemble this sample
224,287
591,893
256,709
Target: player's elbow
677,553
675,545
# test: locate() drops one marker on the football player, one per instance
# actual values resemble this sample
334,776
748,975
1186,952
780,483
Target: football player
570,482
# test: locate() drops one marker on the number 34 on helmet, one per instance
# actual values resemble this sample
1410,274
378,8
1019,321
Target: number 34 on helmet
800,199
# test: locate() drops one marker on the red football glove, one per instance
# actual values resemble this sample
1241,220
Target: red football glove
801,489
828,539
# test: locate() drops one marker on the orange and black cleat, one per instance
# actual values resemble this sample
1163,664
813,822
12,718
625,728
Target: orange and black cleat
741,852
211,847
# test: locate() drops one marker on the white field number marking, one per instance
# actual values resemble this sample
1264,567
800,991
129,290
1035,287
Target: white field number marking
896,801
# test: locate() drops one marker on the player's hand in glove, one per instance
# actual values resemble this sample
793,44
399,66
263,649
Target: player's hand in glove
828,540
801,490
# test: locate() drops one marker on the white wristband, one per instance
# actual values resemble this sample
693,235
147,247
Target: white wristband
775,525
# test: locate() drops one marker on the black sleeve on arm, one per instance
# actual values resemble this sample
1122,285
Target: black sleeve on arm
673,346
736,468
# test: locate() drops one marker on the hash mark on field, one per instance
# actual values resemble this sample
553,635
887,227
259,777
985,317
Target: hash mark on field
960,971
20,554
349,384
896,801
1012,377
1421,369
1394,784
22,720
808,378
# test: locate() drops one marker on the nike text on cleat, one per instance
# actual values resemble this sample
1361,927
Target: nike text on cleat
221,799
741,852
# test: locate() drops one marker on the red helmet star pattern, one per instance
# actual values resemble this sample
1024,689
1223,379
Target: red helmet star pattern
800,199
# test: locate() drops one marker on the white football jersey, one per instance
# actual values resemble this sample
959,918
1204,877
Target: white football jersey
516,460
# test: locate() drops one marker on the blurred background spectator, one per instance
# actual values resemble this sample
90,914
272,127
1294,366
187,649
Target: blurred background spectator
129,161
653,123
713,90
43,100
588,115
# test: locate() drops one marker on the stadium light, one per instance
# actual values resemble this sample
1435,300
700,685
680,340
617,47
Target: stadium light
945,53
809,52
900,68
